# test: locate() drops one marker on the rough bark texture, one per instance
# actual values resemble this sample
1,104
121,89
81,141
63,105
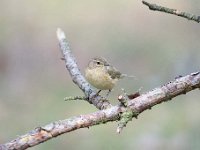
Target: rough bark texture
172,11
76,75
123,113
143,102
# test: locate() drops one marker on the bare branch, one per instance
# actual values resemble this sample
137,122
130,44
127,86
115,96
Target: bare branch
123,112
180,85
70,98
172,11
76,75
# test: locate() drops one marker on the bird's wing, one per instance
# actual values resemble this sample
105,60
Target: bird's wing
113,72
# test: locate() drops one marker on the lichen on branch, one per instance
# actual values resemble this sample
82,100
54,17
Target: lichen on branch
176,12
123,112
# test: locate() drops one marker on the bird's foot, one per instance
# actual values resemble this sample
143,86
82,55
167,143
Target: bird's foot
107,94
93,96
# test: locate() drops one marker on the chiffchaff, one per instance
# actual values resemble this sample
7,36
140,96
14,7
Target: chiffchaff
103,76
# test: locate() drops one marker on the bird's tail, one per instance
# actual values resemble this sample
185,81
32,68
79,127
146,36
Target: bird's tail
125,75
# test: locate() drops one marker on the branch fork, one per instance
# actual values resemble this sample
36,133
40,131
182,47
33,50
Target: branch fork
127,109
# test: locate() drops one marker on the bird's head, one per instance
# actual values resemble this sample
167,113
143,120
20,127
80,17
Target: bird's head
97,62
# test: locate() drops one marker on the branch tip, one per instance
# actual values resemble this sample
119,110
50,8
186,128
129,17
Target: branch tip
186,15
60,34
69,98
74,71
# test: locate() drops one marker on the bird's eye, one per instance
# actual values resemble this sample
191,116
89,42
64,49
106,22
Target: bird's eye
98,63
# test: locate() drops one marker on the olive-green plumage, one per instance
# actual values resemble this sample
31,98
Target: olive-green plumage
101,74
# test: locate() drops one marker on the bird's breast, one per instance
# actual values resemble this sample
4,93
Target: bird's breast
99,78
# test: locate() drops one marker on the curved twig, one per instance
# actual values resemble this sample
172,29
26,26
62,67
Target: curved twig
76,75
172,11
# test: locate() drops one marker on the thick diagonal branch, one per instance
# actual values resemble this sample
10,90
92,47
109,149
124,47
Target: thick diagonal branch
172,11
143,102
76,75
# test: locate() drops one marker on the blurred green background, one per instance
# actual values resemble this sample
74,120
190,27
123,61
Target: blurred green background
153,46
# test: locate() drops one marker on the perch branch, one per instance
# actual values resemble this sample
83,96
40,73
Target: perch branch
180,85
172,11
76,75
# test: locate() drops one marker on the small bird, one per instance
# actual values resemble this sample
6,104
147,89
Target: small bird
103,76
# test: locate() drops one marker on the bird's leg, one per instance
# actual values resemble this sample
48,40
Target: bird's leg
107,94
109,91
105,98
95,95
98,93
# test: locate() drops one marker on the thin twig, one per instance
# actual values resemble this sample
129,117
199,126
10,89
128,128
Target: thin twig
71,98
143,102
172,11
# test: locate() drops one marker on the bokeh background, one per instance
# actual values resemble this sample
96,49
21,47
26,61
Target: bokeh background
153,46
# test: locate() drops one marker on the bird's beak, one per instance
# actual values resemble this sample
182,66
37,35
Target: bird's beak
106,64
